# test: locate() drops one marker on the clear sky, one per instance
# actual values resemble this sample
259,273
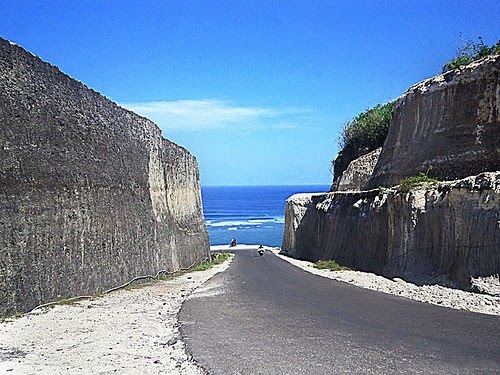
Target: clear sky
257,90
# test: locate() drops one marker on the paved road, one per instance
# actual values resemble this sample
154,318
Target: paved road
265,316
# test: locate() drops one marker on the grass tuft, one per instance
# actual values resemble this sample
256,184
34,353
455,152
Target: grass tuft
407,183
330,265
216,258
9,318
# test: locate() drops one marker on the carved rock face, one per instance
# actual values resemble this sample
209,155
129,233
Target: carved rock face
91,195
446,231
357,174
447,126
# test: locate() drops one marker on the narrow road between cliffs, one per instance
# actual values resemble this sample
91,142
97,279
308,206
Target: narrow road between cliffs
265,316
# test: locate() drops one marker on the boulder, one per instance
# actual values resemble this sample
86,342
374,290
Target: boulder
357,174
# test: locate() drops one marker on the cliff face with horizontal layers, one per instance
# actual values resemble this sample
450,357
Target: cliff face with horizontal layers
441,232
91,195
447,232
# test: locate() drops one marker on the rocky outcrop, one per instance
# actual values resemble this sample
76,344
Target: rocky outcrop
447,126
357,174
445,232
91,195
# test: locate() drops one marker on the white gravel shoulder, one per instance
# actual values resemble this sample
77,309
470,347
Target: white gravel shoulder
125,332
434,294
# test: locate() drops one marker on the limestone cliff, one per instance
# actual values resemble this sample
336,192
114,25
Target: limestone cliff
358,172
441,232
447,126
91,195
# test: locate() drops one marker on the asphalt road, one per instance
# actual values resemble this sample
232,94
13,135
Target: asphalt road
266,316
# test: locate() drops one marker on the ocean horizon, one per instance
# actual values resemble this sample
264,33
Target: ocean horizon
250,214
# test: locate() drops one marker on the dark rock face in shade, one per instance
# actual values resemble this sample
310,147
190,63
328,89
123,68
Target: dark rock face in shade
91,195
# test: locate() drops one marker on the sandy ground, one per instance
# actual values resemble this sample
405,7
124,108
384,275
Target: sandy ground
125,332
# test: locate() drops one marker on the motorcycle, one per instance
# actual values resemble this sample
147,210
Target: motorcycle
261,250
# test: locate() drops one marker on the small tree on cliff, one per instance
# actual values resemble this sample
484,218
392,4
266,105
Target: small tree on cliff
366,132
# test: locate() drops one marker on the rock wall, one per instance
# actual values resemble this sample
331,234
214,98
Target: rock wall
449,232
91,195
447,126
443,232
358,173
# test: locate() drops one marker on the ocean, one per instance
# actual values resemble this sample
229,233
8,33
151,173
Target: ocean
251,214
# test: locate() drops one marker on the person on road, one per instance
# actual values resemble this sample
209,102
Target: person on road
261,250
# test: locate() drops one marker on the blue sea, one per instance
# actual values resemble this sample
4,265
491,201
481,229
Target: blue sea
251,214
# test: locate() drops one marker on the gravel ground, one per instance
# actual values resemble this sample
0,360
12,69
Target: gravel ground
434,294
125,332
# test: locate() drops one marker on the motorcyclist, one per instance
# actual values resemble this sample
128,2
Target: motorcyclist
261,250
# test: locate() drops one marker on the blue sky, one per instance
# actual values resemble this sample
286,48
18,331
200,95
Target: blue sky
257,90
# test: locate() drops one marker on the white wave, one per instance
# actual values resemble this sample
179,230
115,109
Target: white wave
239,223
228,223
260,221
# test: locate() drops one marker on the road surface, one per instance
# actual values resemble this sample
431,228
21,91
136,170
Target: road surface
266,316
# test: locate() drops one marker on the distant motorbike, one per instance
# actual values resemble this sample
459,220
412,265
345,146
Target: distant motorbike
261,250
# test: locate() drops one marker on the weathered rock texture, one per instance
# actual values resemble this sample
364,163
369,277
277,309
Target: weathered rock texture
357,174
447,126
434,233
91,195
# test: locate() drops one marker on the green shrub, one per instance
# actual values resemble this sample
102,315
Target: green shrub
330,265
407,183
366,132
470,52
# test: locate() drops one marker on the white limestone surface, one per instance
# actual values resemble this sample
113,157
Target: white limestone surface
125,332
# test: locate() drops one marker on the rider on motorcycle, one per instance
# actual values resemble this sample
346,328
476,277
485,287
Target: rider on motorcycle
261,250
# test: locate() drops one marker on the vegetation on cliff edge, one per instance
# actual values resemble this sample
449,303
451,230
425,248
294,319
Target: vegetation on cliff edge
470,52
368,130
407,183
364,133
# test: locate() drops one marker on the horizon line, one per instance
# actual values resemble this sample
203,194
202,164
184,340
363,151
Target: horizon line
264,185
